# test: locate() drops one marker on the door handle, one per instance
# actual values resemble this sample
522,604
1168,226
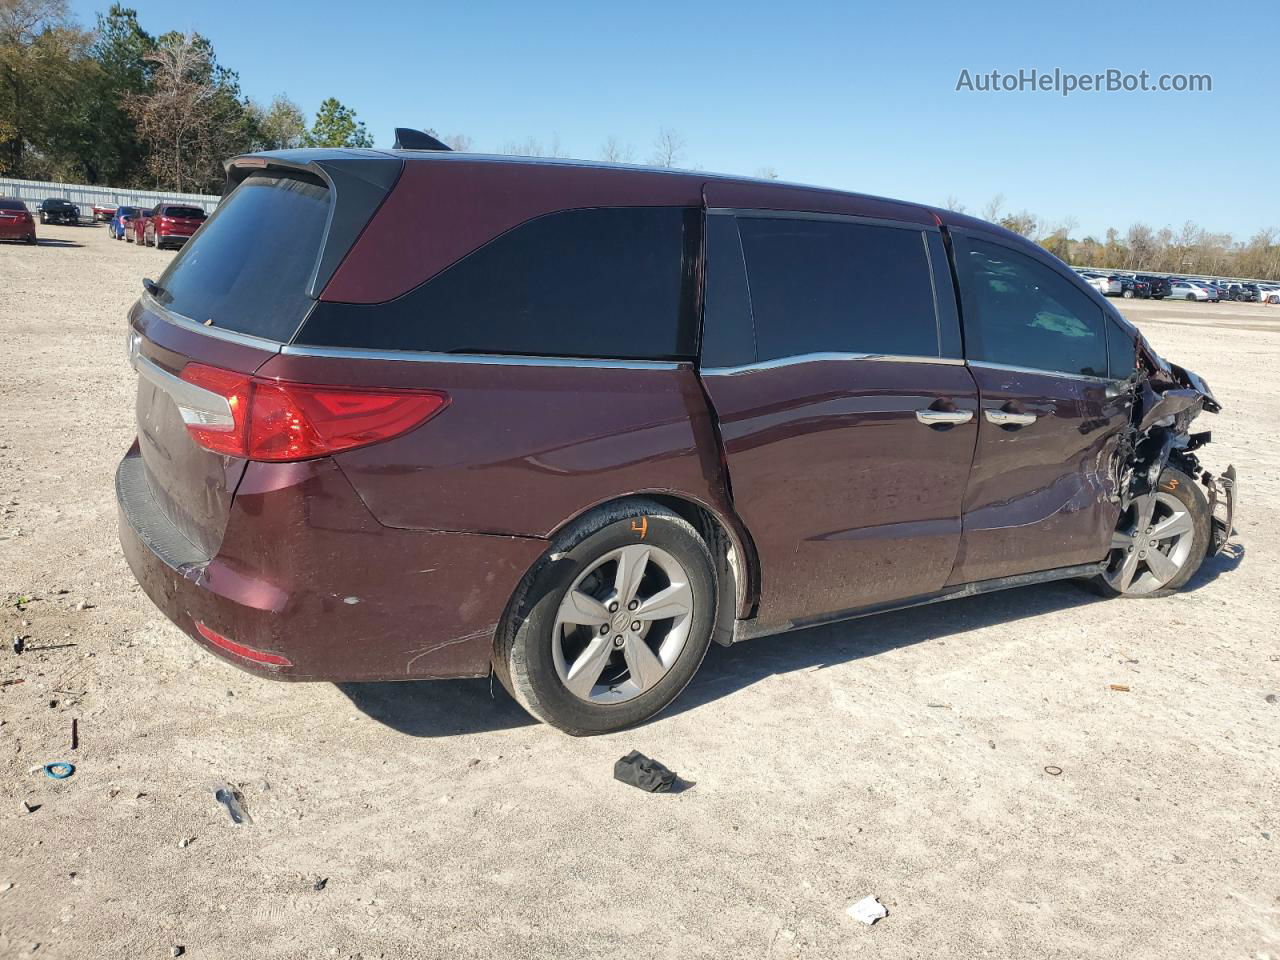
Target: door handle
934,417
1004,418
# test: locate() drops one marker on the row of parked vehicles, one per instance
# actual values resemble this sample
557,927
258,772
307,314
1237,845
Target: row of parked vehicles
1148,286
165,225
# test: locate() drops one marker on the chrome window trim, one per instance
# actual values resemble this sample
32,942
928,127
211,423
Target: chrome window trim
231,336
985,365
750,213
827,357
519,360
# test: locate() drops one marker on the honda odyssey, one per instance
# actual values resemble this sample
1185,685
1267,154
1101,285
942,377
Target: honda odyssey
414,414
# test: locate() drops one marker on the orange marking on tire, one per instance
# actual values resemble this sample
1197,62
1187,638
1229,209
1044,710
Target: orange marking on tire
642,527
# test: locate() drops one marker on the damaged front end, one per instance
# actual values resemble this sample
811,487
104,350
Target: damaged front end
1164,400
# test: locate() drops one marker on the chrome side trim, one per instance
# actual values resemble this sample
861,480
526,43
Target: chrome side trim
1004,418
984,365
750,213
415,356
231,336
198,407
827,357
934,417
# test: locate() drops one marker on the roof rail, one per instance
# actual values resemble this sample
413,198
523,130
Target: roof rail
410,139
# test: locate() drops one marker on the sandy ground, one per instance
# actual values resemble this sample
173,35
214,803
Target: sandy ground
903,756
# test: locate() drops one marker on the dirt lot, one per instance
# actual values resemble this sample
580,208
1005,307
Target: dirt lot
903,756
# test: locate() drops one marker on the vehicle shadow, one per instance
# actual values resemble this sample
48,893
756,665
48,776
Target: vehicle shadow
442,708
50,242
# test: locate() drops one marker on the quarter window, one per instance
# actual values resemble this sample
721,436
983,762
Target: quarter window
820,286
1022,313
600,282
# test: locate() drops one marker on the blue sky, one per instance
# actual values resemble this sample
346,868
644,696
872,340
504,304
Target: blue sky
848,95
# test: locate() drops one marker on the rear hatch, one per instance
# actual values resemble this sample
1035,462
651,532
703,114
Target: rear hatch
236,293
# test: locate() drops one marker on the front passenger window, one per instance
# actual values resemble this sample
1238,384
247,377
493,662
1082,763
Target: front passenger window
1022,313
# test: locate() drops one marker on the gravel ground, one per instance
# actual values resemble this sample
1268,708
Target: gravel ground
906,756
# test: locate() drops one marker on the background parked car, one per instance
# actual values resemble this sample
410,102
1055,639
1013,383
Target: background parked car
1158,287
138,226
172,224
58,210
1269,292
1098,281
119,224
1186,290
16,222
102,213
1249,293
1131,287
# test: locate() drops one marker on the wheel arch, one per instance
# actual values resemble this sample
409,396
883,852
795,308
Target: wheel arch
730,542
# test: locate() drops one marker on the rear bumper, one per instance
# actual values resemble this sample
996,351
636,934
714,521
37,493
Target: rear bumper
305,573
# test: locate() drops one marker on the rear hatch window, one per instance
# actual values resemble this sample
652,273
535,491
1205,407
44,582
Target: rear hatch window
191,213
247,269
12,205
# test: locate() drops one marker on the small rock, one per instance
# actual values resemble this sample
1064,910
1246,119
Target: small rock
185,841
1270,698
30,807
84,605
473,761
177,951
6,887
868,910
320,884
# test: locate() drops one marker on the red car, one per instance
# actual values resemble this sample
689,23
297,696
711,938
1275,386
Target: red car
103,213
172,224
16,222
409,414
135,228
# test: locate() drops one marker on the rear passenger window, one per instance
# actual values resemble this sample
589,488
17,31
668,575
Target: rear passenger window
1024,314
603,282
838,287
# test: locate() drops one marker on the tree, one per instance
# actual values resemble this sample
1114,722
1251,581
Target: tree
991,212
668,148
615,151
458,142
336,126
120,48
767,173
282,125
954,204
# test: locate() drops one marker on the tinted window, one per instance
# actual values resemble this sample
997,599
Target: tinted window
247,269
1023,313
832,286
581,283
12,205
727,336
1122,351
195,212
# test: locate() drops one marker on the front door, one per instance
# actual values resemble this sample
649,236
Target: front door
1039,495
831,355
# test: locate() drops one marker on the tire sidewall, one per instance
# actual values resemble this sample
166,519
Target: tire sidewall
530,663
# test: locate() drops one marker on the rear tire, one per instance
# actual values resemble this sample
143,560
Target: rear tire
1191,296
1128,294
609,567
1181,513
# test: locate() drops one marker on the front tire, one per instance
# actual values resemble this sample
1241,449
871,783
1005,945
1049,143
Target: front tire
1160,540
1191,296
608,629
1128,294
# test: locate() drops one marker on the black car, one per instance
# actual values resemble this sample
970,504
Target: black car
1243,292
57,210
1158,286
1131,287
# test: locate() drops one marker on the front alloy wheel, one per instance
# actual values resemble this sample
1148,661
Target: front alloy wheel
1159,541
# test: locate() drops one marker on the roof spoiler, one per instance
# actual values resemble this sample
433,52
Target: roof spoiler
409,139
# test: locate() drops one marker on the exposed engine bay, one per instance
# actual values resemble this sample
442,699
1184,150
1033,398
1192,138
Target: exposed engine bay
1165,400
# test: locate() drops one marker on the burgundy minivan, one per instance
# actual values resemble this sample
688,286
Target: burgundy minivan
407,414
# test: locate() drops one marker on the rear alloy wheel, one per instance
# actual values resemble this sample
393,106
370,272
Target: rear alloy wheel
1128,294
1159,541
610,632
1191,296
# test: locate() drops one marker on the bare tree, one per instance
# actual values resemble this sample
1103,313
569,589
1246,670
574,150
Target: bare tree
533,147
668,148
458,141
953,203
282,125
767,173
172,117
615,151
993,208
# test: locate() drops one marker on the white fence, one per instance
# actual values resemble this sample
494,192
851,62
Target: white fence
85,196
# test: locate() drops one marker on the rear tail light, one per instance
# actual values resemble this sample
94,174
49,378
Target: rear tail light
277,420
